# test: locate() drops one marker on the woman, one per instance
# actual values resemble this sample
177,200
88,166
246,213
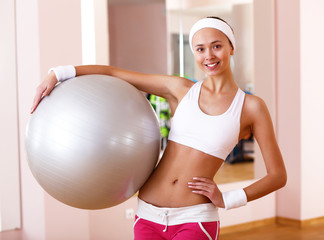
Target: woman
180,199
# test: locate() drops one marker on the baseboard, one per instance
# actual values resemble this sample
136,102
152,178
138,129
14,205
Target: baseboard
289,222
300,223
247,226
271,221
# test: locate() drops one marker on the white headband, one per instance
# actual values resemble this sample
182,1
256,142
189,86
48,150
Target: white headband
212,23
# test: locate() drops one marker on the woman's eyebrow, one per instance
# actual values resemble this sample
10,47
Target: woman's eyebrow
216,41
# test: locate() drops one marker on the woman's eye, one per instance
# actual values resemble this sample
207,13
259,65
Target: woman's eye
217,46
199,49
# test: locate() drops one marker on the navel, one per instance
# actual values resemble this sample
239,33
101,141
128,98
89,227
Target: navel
175,181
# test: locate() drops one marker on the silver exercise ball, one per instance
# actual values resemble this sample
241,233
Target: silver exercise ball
93,142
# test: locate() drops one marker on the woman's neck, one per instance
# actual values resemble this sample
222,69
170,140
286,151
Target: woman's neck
220,83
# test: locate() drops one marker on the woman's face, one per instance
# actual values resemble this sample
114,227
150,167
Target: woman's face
212,51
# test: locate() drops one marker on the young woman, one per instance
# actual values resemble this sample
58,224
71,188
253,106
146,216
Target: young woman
180,200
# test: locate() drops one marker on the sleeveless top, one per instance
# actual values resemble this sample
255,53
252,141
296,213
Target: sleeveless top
215,135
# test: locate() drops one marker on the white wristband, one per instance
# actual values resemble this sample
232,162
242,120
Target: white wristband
235,198
63,73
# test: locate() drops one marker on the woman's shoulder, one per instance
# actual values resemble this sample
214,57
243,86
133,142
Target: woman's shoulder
254,106
185,83
182,86
253,101
179,87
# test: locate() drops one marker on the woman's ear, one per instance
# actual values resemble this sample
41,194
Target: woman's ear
232,51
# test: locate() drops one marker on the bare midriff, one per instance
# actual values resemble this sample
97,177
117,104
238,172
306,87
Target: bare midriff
168,184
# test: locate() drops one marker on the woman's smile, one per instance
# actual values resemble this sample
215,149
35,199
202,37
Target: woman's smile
212,66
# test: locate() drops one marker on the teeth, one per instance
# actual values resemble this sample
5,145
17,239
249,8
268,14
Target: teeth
211,65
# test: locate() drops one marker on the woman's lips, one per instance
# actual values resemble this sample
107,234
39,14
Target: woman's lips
211,66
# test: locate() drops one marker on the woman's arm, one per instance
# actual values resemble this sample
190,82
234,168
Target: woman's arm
263,132
161,85
258,118
168,87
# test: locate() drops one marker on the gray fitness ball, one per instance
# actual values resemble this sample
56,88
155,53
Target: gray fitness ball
93,142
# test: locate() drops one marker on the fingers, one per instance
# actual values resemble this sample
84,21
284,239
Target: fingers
198,181
37,98
44,89
40,93
206,186
202,179
201,188
204,193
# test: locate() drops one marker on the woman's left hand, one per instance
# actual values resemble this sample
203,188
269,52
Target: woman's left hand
208,188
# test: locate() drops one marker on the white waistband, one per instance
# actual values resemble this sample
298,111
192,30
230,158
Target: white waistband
206,212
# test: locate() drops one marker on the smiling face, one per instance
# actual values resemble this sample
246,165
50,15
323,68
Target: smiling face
212,51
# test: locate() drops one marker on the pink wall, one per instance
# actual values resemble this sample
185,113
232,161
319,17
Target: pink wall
312,105
111,223
288,104
300,103
33,212
59,33
65,222
137,34
264,65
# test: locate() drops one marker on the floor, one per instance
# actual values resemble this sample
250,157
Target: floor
273,232
278,232
234,172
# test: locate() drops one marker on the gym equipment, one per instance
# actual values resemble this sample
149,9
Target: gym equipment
93,142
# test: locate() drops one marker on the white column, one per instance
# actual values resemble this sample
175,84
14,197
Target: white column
94,24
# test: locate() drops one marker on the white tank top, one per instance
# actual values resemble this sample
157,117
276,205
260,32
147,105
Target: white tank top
214,135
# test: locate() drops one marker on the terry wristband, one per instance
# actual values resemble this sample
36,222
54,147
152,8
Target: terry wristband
63,73
235,198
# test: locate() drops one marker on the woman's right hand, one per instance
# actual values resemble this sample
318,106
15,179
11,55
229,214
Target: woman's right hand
44,89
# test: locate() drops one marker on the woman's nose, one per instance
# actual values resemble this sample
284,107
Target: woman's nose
209,54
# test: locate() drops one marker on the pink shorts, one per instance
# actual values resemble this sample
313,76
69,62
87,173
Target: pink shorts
196,222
